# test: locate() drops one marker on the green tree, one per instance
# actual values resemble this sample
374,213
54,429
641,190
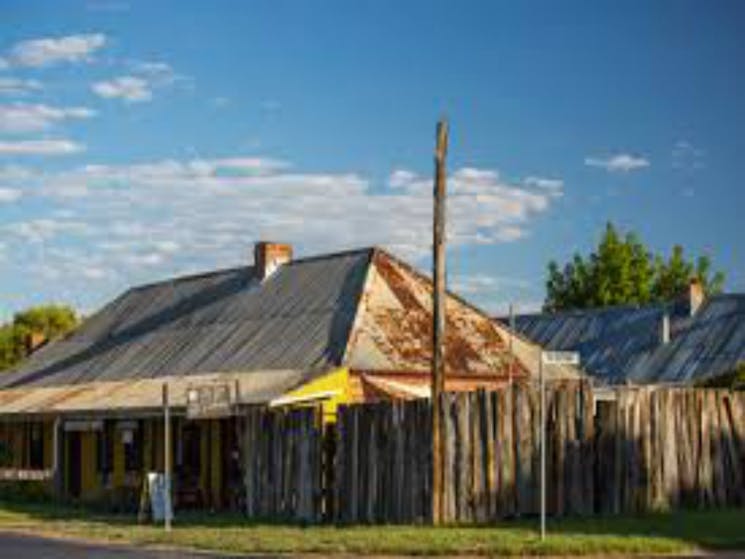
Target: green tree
51,321
621,271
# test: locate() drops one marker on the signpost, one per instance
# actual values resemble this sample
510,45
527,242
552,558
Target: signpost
167,503
549,358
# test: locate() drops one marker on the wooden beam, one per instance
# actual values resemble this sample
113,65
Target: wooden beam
438,314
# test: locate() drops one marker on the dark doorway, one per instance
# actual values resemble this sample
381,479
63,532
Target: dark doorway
189,468
232,472
73,464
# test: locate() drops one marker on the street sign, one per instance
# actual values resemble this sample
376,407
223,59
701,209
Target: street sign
207,401
560,357
549,358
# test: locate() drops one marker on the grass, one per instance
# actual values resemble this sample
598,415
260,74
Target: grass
681,532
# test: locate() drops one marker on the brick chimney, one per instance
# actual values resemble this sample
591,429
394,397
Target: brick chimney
270,256
695,296
34,341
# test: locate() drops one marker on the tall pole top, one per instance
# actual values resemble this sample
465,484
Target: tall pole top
442,140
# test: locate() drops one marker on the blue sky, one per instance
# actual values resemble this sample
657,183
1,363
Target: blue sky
140,140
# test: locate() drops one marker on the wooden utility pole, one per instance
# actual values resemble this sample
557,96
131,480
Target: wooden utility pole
438,330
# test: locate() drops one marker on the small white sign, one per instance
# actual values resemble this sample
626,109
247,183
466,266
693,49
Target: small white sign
560,357
156,486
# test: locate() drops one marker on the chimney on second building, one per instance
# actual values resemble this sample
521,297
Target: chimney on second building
270,256
695,296
665,328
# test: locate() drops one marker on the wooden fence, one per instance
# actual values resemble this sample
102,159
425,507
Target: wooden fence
648,449
634,450
661,449
282,463
492,451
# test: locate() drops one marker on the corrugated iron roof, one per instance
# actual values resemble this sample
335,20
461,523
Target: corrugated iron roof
227,321
362,309
128,396
621,344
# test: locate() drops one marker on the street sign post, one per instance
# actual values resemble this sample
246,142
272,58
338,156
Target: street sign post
549,358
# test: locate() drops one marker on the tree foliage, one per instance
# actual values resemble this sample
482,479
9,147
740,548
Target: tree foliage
622,270
51,321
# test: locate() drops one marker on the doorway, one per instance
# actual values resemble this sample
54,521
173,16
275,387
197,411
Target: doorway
73,464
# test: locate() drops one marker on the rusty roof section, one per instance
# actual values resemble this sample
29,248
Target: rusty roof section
393,329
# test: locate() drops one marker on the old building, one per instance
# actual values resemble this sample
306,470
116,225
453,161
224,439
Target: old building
85,412
694,340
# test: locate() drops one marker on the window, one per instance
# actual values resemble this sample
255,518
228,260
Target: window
36,446
132,439
105,449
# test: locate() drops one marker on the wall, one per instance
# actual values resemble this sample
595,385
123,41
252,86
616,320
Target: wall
650,449
330,391
282,463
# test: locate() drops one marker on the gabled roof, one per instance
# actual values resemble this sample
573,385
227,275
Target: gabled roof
363,309
623,344
225,321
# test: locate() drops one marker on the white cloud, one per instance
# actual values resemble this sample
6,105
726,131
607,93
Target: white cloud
8,195
22,117
93,273
18,86
619,163
129,88
52,50
687,157
42,229
197,214
145,78
552,185
15,173
153,68
40,147
483,283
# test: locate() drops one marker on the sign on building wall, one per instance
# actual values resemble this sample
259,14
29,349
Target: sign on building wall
207,401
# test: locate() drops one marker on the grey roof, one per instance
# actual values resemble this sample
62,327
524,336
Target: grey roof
620,344
298,318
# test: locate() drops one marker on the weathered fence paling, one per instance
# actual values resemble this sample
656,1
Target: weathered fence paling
643,449
281,456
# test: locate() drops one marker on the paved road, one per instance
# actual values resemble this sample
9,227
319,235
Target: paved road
16,546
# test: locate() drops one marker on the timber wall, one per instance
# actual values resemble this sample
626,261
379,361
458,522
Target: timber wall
645,449
282,464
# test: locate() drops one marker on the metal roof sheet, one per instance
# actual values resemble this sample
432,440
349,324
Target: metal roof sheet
296,319
143,395
621,344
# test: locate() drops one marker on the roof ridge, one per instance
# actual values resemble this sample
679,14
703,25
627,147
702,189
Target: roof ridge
627,306
591,310
189,277
248,267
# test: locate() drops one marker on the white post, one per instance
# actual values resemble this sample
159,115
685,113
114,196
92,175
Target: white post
167,458
543,448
